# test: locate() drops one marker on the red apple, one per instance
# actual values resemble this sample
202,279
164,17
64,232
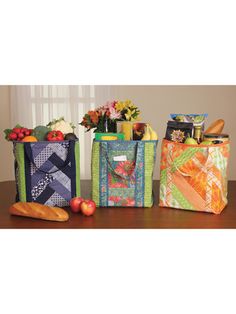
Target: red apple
75,204
88,207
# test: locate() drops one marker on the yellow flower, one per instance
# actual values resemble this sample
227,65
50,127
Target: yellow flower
128,114
133,107
128,103
120,106
131,112
127,117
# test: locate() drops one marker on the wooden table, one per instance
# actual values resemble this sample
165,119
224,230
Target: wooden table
135,218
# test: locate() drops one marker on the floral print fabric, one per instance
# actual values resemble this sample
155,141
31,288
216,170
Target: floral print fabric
194,177
122,172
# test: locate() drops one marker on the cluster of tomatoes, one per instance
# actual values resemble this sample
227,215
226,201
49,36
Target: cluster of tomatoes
18,134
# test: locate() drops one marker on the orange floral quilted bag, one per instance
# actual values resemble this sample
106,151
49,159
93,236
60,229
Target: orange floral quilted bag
194,177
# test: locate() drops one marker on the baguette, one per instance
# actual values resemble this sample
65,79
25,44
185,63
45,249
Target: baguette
38,211
216,127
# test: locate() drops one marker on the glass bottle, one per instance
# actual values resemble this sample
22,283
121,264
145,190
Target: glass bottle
198,133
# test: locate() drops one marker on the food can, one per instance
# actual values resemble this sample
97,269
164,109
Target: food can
216,138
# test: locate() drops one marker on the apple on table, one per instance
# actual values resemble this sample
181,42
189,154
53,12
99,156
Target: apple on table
88,207
75,204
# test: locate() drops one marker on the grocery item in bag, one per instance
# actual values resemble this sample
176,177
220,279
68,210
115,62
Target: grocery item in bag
216,127
216,138
196,119
126,128
109,136
178,131
139,129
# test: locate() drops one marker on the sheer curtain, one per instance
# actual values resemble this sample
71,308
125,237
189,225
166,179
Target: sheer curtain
37,105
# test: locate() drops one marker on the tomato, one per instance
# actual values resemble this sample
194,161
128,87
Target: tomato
55,136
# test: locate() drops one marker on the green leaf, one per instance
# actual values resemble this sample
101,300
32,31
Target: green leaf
7,132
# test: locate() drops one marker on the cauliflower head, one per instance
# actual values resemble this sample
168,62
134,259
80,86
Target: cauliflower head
61,125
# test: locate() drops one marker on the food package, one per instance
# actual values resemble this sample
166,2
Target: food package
139,129
196,119
109,136
178,131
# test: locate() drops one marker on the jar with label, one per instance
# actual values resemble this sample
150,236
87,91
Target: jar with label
216,138
125,127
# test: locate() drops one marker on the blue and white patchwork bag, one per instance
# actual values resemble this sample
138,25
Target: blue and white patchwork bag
47,172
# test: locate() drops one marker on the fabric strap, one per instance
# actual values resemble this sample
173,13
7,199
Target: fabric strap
28,152
104,152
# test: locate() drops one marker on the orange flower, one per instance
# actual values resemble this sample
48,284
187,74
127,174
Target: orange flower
93,116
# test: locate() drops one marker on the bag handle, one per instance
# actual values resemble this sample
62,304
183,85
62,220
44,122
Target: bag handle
112,168
28,152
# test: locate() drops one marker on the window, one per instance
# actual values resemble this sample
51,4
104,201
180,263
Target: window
39,104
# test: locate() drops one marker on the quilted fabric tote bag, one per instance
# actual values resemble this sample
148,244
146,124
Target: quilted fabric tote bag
47,172
194,177
122,173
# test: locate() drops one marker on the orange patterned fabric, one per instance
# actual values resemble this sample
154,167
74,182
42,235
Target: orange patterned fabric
194,177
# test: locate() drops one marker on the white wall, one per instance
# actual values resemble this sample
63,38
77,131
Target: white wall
6,156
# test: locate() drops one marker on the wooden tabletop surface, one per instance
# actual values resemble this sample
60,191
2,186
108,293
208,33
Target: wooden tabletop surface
119,218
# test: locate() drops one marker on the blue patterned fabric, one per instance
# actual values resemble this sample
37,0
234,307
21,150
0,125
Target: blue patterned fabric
50,172
122,173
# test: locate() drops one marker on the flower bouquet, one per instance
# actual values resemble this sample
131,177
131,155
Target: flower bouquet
104,118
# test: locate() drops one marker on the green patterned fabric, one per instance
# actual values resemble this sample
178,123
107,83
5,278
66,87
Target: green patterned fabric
181,202
77,167
95,171
184,157
20,159
150,154
122,173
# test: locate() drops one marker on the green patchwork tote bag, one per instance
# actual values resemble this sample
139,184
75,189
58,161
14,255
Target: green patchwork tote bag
47,172
122,173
